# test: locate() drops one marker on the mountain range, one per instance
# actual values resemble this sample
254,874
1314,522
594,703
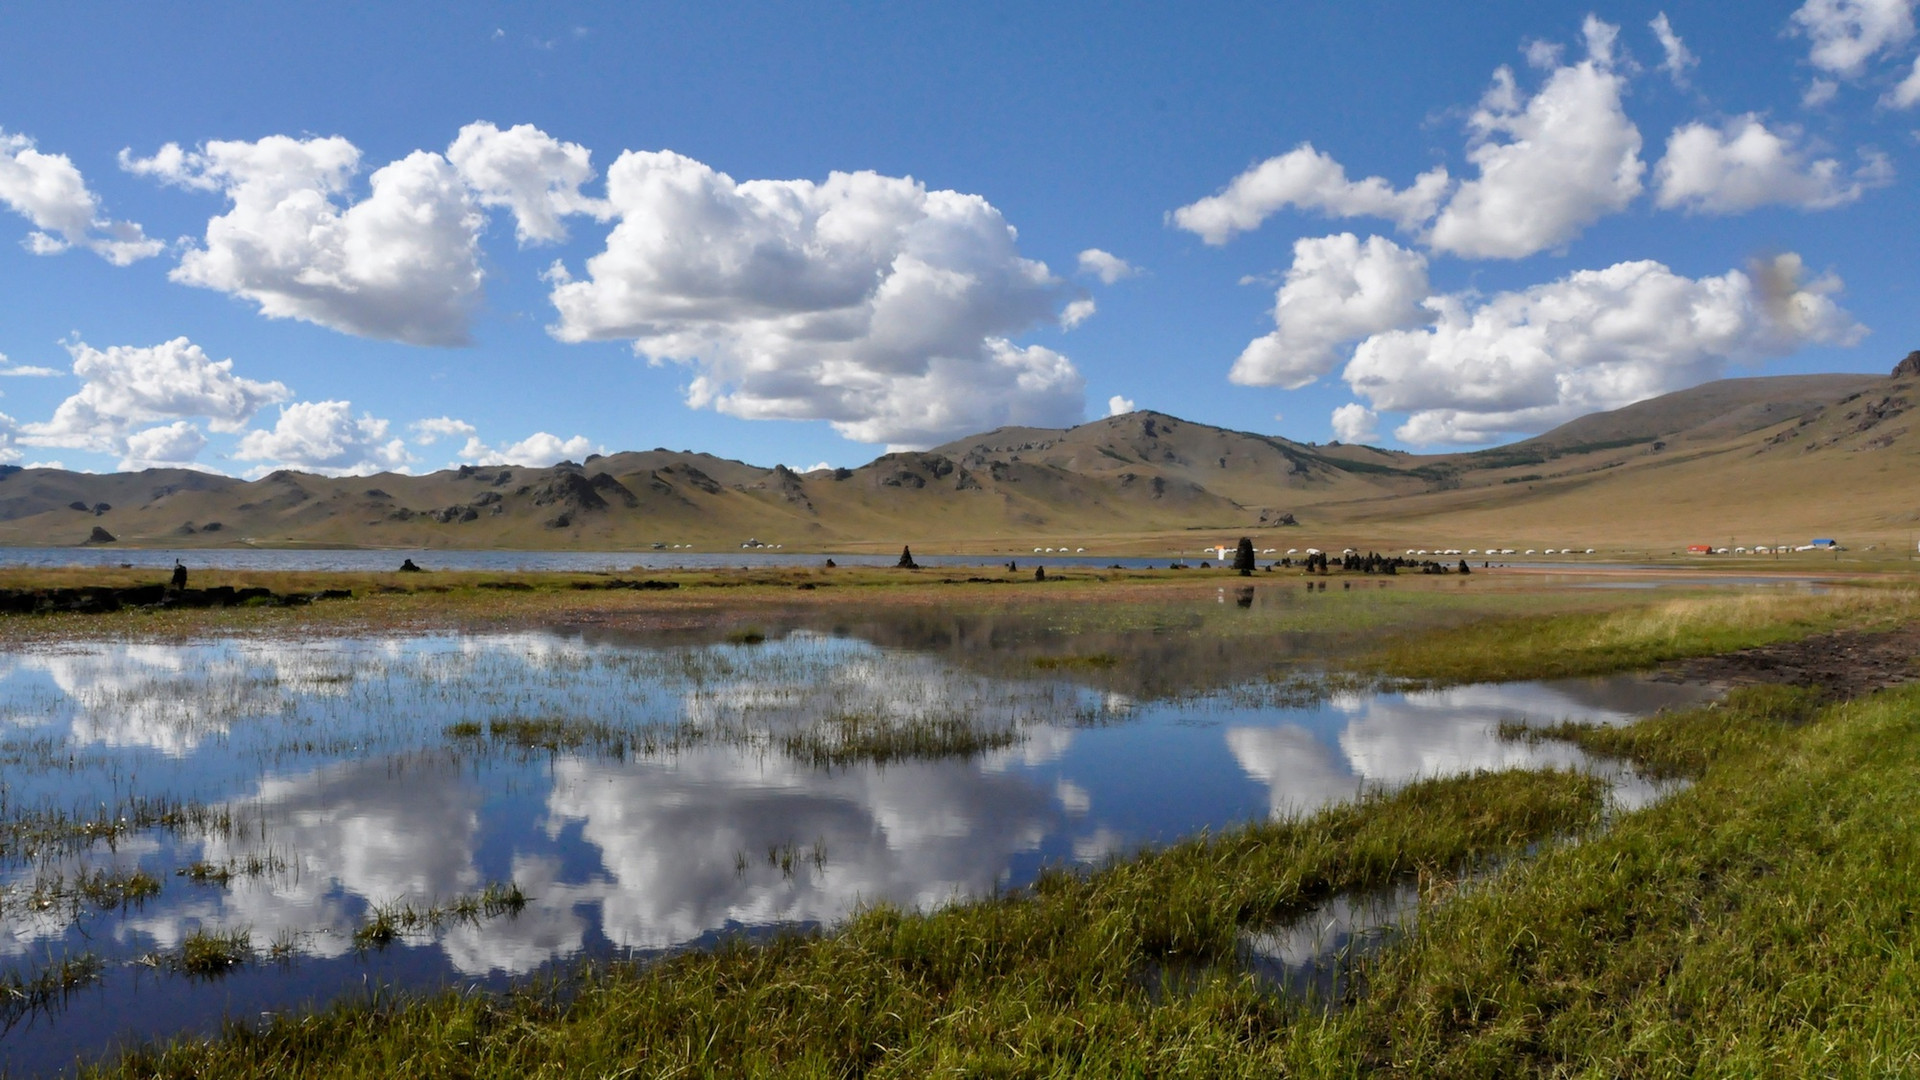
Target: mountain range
1754,460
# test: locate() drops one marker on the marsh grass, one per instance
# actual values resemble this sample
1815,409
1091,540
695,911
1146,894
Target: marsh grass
851,738
556,734
1092,660
1761,922
387,923
35,832
1680,745
253,864
205,953
1561,645
103,889
23,994
1041,981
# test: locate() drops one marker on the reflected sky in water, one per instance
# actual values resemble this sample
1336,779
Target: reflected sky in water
350,778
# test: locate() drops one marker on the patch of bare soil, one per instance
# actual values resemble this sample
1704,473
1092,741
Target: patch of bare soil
1842,664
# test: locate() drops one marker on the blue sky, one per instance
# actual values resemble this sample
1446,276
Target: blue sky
842,228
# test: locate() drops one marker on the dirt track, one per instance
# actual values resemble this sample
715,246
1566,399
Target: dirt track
1842,664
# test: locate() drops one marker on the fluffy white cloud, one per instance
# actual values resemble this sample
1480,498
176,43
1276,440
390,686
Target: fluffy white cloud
324,437
1678,59
399,265
1907,94
169,446
48,190
1355,423
28,371
1309,180
1339,289
865,300
1845,34
1106,266
1819,92
125,386
430,431
1743,165
1119,406
9,437
529,171
537,450
1597,339
1549,166
1077,312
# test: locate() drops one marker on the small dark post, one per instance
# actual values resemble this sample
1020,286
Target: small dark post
179,575
1243,557
906,560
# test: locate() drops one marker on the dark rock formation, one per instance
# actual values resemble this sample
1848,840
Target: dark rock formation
101,536
100,599
906,560
1908,368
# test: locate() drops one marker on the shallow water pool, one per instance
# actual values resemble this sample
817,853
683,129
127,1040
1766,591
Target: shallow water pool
633,797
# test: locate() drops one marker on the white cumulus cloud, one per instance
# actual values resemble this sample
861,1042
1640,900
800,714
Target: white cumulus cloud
1339,289
1845,34
1678,59
399,265
537,450
48,190
1307,179
1524,361
1106,266
1077,312
124,387
1744,164
534,174
169,446
25,371
1355,423
426,432
867,301
1907,94
1549,166
324,437
1119,406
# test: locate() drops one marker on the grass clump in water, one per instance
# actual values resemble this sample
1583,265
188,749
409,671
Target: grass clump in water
207,954
105,889
388,923
22,995
1092,660
853,738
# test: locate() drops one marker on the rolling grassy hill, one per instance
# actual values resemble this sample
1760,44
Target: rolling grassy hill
1754,460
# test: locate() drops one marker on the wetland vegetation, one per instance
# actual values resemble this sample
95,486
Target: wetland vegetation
955,876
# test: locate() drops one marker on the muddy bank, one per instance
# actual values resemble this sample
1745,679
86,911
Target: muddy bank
1841,664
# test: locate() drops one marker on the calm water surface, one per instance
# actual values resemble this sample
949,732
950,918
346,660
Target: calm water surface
683,796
